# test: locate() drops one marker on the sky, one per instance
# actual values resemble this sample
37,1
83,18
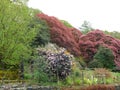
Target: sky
102,14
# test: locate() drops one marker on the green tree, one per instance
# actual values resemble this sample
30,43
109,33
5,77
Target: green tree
86,27
42,29
105,56
43,32
15,32
114,34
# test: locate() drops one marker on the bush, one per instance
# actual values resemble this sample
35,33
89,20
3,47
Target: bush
103,71
108,53
69,80
95,64
82,62
39,70
35,70
9,74
43,33
58,63
105,56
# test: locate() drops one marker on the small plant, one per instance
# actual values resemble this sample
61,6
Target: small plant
69,81
109,81
77,81
82,62
102,72
95,64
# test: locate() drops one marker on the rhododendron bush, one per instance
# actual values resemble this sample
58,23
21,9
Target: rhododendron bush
90,42
58,61
62,35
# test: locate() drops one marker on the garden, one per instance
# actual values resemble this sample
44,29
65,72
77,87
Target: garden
41,52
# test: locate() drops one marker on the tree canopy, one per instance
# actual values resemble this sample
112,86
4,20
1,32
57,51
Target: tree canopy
15,33
62,35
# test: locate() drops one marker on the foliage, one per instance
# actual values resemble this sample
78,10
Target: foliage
58,64
19,2
69,80
105,56
74,77
116,77
66,23
114,34
42,29
109,80
90,43
40,65
35,68
81,61
43,32
103,72
62,35
15,33
95,64
9,74
86,27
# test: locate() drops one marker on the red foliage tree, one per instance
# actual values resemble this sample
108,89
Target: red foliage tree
90,42
61,35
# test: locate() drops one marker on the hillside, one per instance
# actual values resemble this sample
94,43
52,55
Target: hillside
77,43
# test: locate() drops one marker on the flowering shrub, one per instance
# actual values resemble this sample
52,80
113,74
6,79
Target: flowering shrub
58,62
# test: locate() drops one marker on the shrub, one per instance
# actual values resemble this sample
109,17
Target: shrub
58,62
89,46
77,81
109,81
9,74
35,70
103,71
39,66
82,63
95,64
69,80
105,56
43,32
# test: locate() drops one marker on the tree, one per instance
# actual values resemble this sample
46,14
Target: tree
105,56
89,45
43,32
86,27
15,33
62,35
114,34
20,2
